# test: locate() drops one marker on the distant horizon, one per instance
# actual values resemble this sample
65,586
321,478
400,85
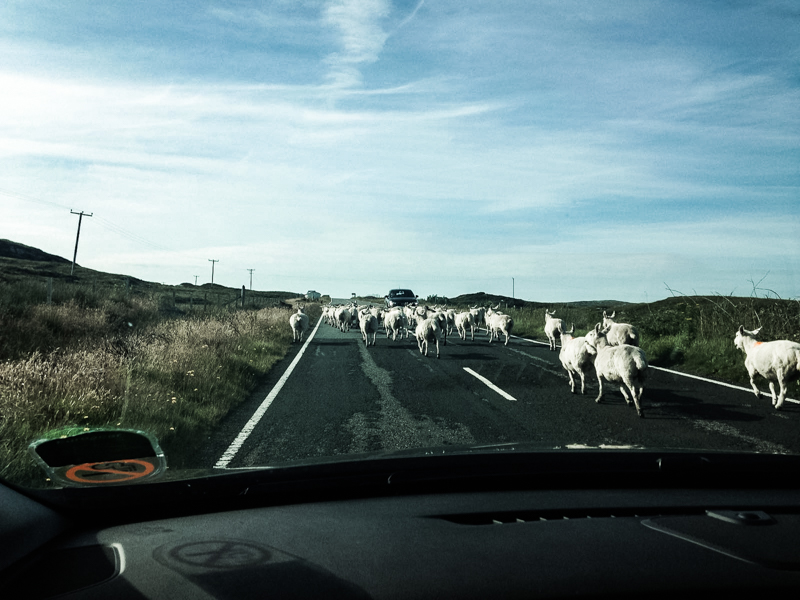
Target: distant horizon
561,150
607,302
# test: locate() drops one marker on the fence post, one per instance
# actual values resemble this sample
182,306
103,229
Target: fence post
243,291
49,290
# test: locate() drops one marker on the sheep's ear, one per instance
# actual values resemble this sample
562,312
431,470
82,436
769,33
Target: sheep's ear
604,315
612,315
755,331
741,329
597,327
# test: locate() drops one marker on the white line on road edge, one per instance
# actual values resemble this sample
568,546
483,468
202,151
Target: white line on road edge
735,387
229,454
505,395
728,385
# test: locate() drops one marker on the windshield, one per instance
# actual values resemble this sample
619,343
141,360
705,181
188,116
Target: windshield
204,204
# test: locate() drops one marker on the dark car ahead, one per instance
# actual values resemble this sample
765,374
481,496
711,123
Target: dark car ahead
400,298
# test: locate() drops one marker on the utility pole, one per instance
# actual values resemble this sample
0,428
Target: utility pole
212,261
195,279
512,287
251,278
77,237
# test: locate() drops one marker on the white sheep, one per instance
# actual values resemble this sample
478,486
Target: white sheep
464,320
343,318
368,323
394,321
776,361
624,364
427,331
619,333
551,327
576,356
299,324
497,323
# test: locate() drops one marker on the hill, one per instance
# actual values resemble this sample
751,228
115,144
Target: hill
9,249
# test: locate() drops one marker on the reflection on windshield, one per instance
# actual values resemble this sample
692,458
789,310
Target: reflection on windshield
593,210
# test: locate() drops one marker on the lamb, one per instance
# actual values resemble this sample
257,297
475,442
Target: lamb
619,333
299,324
625,364
368,323
497,323
551,326
776,361
427,331
464,320
576,357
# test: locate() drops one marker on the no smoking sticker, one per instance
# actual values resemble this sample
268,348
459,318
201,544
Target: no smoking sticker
118,471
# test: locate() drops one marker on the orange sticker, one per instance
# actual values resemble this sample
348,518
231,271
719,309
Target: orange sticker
116,471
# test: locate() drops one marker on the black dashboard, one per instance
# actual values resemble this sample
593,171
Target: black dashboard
533,535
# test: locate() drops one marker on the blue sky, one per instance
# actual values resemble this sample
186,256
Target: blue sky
583,150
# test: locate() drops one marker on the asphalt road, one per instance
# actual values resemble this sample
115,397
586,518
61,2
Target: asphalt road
342,397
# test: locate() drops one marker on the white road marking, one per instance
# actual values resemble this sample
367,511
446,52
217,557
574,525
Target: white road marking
230,453
504,394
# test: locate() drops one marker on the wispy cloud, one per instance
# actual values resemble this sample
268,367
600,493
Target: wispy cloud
358,24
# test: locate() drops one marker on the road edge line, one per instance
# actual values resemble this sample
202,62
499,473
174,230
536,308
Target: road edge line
237,443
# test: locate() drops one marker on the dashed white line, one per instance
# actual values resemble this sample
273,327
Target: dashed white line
230,453
503,393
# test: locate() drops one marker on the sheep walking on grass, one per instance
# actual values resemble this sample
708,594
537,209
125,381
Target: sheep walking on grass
624,364
551,327
576,357
299,324
776,361
619,333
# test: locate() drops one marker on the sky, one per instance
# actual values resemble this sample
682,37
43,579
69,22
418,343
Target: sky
551,150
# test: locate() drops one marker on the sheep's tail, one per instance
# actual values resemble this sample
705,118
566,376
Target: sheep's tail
641,365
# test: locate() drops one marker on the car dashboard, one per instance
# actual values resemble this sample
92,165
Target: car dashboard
395,531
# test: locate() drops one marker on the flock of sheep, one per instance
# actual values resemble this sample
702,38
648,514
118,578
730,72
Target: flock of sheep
611,349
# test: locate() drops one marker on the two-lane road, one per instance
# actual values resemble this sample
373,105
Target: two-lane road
341,397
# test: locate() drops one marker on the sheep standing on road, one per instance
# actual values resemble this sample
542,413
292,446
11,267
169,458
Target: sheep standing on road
625,364
464,320
299,324
394,321
427,331
368,323
551,327
497,323
777,361
619,333
576,357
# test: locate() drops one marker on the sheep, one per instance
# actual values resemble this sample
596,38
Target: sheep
480,315
368,323
576,357
776,361
464,320
619,333
394,322
551,326
624,364
497,323
343,318
427,331
299,324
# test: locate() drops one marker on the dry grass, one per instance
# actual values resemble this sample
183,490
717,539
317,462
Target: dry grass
175,377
